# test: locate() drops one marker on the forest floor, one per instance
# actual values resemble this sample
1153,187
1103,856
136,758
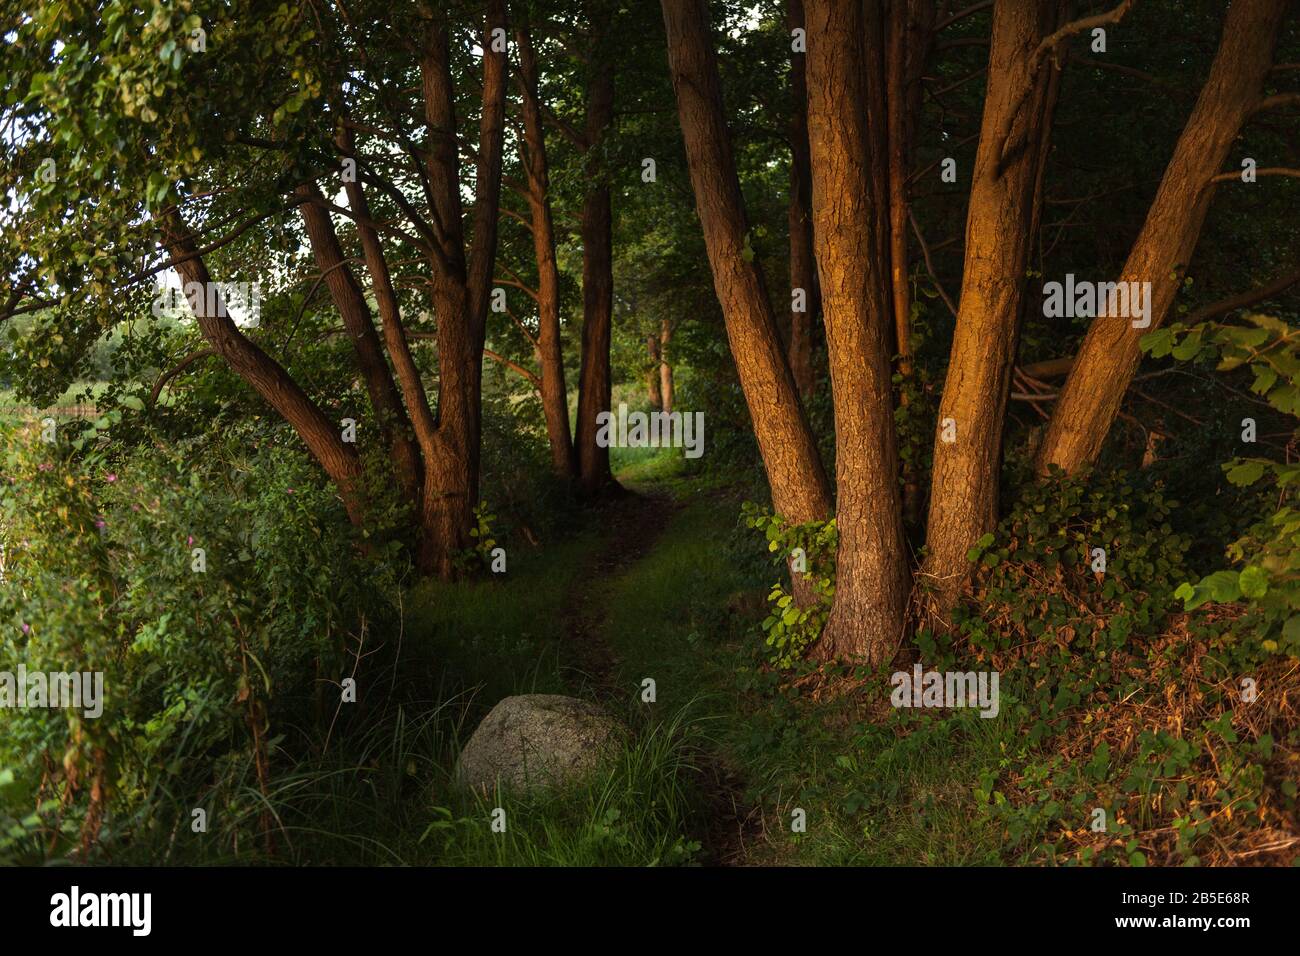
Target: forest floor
667,596
652,605
636,520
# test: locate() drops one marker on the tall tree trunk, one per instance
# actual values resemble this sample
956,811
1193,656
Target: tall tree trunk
964,488
595,381
653,375
555,399
1110,353
803,267
872,578
894,104
351,303
266,376
800,490
460,292
896,97
665,367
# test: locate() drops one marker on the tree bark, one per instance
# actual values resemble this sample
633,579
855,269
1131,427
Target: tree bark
460,292
266,376
800,490
803,267
896,98
872,578
595,381
665,367
964,483
1111,352
555,400
348,298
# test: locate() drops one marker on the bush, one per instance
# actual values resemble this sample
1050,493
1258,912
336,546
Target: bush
210,582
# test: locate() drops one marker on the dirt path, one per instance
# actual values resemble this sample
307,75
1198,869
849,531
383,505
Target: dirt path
633,523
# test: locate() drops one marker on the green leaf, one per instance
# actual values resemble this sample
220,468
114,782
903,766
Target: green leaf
1224,586
1245,473
1254,582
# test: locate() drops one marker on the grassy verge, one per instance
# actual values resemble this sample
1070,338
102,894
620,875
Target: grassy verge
687,615
870,784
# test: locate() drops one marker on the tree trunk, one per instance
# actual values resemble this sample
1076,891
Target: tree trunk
351,303
1109,356
872,578
555,400
460,294
653,375
665,367
964,482
266,376
800,490
897,102
595,382
803,267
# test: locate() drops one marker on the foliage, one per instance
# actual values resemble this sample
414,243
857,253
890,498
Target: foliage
1090,659
208,583
1048,547
791,627
1268,556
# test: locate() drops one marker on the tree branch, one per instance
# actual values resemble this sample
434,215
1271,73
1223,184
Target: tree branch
531,376
929,265
175,370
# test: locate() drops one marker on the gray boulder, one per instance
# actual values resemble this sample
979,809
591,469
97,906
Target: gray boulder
537,740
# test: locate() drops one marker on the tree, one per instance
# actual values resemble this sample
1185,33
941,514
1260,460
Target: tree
248,145
800,490
872,576
803,268
595,381
967,450
555,400
1109,355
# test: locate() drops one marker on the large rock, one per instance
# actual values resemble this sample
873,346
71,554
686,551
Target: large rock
537,740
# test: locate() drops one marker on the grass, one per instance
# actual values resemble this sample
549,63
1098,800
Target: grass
875,786
687,616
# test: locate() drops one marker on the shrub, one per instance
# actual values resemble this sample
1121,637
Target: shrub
208,581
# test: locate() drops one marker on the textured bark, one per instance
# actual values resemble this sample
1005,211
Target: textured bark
1110,353
460,292
803,267
964,488
595,380
266,376
665,367
800,491
555,399
875,65
896,97
872,579
350,301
